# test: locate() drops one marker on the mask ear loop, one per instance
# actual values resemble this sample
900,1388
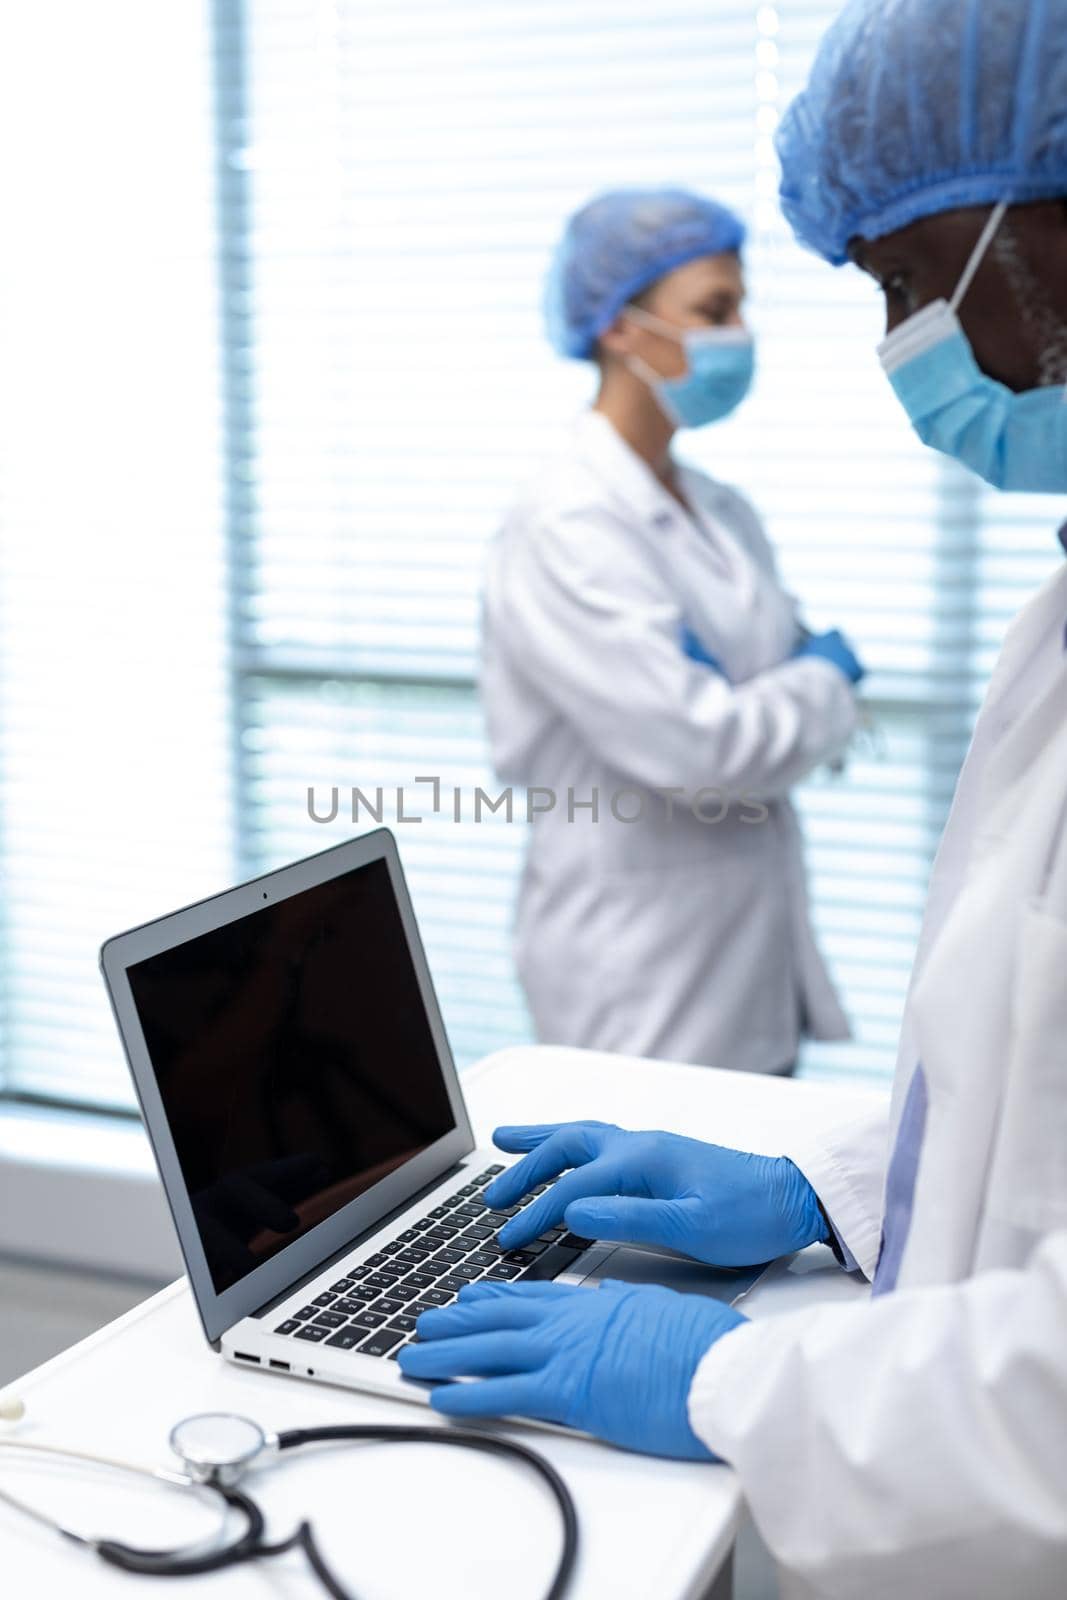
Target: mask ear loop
637,365
993,221
649,320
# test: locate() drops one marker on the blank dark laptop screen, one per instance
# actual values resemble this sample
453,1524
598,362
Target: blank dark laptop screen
295,1062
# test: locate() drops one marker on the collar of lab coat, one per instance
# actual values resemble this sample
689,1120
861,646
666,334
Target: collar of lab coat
629,477
1023,710
718,537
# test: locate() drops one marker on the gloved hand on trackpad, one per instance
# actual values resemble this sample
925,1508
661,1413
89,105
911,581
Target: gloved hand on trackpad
615,1361
724,1207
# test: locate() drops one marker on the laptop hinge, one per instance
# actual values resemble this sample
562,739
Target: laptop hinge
359,1238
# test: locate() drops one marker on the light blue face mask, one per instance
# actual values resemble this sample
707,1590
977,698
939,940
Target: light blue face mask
721,362
1013,441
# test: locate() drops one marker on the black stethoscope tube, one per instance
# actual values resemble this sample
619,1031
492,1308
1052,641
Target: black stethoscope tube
160,1564
468,1439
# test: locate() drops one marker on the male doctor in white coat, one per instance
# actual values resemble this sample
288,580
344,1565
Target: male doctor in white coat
642,655
915,1445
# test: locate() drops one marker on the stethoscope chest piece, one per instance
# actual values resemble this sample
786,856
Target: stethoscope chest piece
217,1446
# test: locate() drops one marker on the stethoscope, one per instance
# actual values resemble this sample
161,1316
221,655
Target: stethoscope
217,1448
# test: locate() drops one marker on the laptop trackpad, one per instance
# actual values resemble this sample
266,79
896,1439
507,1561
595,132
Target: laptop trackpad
673,1272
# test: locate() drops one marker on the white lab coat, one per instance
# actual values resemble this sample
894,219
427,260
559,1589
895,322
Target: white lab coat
668,936
918,1445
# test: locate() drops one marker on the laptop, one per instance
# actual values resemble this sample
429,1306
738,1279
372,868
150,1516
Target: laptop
296,1082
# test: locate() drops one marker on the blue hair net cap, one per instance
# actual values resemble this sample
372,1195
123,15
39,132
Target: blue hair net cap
919,106
618,245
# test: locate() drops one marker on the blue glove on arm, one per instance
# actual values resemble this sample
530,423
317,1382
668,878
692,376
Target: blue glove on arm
725,1207
835,648
616,1361
694,649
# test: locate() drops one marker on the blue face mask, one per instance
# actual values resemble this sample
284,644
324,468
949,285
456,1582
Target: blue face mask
721,363
1013,441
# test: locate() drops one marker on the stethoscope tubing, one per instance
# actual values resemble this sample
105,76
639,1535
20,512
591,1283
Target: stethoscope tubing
469,1439
173,1480
195,1560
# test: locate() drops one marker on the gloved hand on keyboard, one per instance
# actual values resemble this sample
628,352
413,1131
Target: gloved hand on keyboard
616,1361
835,648
722,1206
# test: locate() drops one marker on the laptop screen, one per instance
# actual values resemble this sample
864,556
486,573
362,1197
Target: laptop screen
295,1062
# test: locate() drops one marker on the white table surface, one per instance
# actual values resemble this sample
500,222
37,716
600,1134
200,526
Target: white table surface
407,1520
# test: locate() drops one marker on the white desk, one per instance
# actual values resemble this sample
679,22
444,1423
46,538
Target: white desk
388,1515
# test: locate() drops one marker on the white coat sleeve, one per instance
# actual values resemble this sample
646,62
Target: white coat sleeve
597,633
846,1166
916,1445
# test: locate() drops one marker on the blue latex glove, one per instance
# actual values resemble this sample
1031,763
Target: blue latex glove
721,1206
833,647
694,649
616,1361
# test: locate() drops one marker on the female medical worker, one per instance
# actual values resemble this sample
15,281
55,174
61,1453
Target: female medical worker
646,675
916,1445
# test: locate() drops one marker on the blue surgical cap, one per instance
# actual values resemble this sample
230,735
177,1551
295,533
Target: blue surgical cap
919,106
618,245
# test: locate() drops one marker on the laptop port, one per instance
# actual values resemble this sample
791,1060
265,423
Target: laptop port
280,1366
239,1355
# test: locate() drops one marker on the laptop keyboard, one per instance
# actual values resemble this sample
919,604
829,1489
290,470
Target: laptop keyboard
372,1310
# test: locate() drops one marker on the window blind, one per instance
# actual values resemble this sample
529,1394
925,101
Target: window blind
409,172
409,169
273,371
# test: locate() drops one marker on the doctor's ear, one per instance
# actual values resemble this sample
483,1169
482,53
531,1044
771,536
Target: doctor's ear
622,339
